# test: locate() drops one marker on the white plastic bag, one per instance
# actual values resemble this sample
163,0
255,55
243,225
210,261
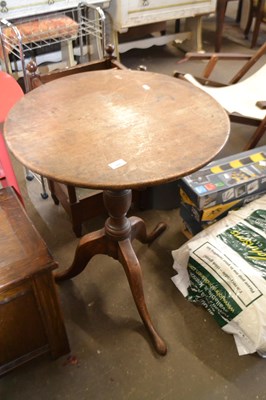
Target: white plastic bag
223,268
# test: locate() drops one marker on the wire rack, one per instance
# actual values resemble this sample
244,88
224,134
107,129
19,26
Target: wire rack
24,37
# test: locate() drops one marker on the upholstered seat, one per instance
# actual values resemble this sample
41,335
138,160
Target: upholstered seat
37,30
234,97
22,38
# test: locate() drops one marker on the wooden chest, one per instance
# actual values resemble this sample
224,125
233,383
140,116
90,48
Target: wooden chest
31,322
131,13
127,15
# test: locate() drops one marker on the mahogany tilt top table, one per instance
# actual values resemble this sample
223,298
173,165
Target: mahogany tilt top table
117,130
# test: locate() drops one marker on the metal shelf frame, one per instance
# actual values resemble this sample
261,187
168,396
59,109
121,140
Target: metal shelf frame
90,24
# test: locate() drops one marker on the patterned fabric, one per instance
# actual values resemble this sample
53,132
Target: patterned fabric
61,27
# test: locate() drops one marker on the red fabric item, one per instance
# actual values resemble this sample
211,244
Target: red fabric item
10,93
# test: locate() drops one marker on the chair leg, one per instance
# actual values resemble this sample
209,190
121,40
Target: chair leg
220,16
258,19
257,135
250,18
239,11
29,174
44,193
77,229
52,191
72,195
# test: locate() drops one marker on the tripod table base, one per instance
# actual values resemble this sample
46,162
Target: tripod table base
115,240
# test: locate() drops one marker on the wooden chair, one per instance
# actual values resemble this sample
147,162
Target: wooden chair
10,93
221,6
80,204
257,10
244,100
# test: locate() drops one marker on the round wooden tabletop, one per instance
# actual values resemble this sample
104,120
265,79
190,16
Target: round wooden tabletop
116,129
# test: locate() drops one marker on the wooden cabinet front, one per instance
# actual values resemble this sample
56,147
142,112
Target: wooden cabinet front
131,13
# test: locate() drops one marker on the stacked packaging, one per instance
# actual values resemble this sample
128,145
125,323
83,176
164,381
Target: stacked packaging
223,185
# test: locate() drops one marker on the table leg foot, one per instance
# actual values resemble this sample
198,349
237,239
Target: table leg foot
139,231
89,245
128,259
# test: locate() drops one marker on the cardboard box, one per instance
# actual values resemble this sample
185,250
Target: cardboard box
190,223
228,179
195,220
216,212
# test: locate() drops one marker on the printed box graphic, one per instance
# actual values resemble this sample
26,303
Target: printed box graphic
227,179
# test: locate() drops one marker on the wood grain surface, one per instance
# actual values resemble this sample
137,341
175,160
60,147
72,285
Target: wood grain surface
72,129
